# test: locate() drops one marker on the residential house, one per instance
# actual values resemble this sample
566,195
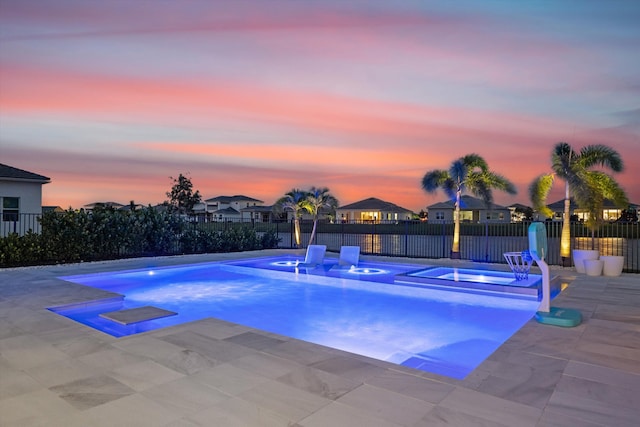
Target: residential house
20,200
56,209
91,206
519,212
610,212
471,210
260,214
228,208
372,210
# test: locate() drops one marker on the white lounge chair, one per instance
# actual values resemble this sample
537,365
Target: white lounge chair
349,257
314,257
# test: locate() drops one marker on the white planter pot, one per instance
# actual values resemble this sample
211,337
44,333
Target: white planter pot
613,265
593,267
580,255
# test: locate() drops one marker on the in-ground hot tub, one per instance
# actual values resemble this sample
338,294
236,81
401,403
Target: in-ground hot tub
476,279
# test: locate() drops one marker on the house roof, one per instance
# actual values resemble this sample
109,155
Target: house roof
9,173
104,204
375,204
466,203
519,206
257,209
227,211
236,198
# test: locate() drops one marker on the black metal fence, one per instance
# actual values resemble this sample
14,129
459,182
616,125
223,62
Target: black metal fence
416,239
478,242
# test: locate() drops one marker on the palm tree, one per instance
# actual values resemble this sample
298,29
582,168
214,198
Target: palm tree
472,173
296,202
318,198
587,187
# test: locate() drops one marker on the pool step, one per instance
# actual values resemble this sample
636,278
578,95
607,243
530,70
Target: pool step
137,315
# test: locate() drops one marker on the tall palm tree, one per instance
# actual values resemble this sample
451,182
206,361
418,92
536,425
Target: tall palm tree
472,173
318,198
588,187
296,202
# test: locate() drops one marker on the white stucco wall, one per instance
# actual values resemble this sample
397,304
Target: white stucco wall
30,195
30,203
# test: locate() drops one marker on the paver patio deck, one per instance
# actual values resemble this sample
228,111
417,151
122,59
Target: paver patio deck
56,372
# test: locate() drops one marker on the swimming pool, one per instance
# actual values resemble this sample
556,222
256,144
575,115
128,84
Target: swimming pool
441,331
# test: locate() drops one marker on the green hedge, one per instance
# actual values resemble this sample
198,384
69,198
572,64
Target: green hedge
105,233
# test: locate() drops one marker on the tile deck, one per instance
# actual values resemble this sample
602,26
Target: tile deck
56,372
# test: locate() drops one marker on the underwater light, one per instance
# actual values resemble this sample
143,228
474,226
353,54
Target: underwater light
364,270
289,263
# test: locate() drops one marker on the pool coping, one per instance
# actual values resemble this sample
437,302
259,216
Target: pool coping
60,373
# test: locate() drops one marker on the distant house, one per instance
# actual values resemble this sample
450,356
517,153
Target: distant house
228,208
609,210
91,206
518,212
56,209
131,207
20,200
471,210
372,210
259,214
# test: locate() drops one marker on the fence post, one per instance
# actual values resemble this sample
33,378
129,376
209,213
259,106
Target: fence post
406,238
486,241
444,242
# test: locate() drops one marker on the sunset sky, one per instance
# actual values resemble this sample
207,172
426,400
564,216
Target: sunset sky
111,98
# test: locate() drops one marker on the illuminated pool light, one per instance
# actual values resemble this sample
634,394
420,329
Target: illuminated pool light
366,270
289,263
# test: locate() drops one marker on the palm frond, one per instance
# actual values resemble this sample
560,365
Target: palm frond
538,192
598,154
458,172
474,161
434,179
561,159
500,182
609,188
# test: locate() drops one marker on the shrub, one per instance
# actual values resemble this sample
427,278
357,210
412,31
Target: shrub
106,233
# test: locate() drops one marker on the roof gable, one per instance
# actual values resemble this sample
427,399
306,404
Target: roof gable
231,199
9,173
373,203
227,211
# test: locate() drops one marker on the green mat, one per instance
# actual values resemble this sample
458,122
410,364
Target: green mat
558,316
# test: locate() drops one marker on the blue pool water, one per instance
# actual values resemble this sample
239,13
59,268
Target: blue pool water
442,331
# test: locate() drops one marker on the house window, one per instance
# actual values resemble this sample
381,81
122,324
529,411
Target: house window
10,208
369,216
611,214
440,215
495,216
